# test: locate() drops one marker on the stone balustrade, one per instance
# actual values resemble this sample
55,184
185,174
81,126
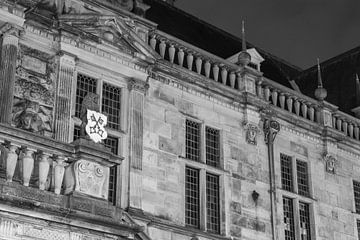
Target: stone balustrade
196,60
346,124
33,160
231,75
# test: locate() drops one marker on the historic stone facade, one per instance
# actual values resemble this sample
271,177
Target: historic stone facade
197,147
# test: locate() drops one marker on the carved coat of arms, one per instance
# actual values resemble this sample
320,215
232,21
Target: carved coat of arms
95,127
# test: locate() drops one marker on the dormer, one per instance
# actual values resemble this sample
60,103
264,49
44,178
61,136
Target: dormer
256,58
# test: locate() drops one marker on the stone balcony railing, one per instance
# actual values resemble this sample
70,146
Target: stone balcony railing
226,73
42,162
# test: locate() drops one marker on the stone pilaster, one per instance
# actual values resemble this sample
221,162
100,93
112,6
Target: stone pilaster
63,98
9,49
137,92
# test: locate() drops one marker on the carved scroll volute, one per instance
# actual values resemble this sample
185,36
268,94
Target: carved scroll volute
271,128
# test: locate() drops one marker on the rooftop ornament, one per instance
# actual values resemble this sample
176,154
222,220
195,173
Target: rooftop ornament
320,92
244,57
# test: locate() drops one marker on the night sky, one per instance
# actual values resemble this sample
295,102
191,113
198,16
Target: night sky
298,31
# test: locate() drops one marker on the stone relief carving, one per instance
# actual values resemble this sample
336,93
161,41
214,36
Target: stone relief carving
330,163
31,116
251,133
89,177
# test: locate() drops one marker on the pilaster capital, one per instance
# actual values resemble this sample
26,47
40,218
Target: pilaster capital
10,34
138,85
67,58
271,128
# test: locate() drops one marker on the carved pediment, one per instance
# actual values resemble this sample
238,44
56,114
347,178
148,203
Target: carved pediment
121,32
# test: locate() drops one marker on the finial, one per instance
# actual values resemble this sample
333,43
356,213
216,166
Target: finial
320,85
357,91
244,57
243,41
320,92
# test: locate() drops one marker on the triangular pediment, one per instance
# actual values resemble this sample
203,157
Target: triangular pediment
121,32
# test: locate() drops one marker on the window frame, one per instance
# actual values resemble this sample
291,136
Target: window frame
205,169
103,77
295,196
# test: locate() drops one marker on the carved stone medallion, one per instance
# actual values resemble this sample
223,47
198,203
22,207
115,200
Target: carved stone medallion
251,133
330,163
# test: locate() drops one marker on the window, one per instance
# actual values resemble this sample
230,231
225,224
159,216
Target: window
193,204
357,196
286,172
212,147
302,178
358,227
110,105
289,218
304,221
192,195
212,203
192,140
296,198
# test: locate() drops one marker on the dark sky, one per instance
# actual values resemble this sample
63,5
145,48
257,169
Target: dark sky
298,31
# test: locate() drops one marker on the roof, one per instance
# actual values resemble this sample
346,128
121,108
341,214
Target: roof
338,75
214,40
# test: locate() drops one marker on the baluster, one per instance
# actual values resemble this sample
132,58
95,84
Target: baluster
282,100
189,60
304,109
338,124
216,72
28,165
224,73
232,77
258,89
153,42
267,93
59,170
198,63
171,53
162,47
311,113
274,97
289,103
207,67
239,81
345,127
11,161
356,132
351,130
334,121
181,57
44,166
318,116
297,107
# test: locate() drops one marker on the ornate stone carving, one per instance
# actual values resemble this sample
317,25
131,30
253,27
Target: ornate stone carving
330,163
31,116
251,133
138,85
271,128
90,178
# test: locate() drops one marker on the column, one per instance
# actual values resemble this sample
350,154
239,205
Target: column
9,49
63,97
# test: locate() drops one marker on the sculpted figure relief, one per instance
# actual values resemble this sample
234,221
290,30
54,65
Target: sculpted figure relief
330,163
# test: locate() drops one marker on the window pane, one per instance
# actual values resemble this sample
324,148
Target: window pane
304,221
358,227
111,105
84,85
286,172
212,147
357,195
212,203
76,133
192,197
112,143
302,178
288,218
192,140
